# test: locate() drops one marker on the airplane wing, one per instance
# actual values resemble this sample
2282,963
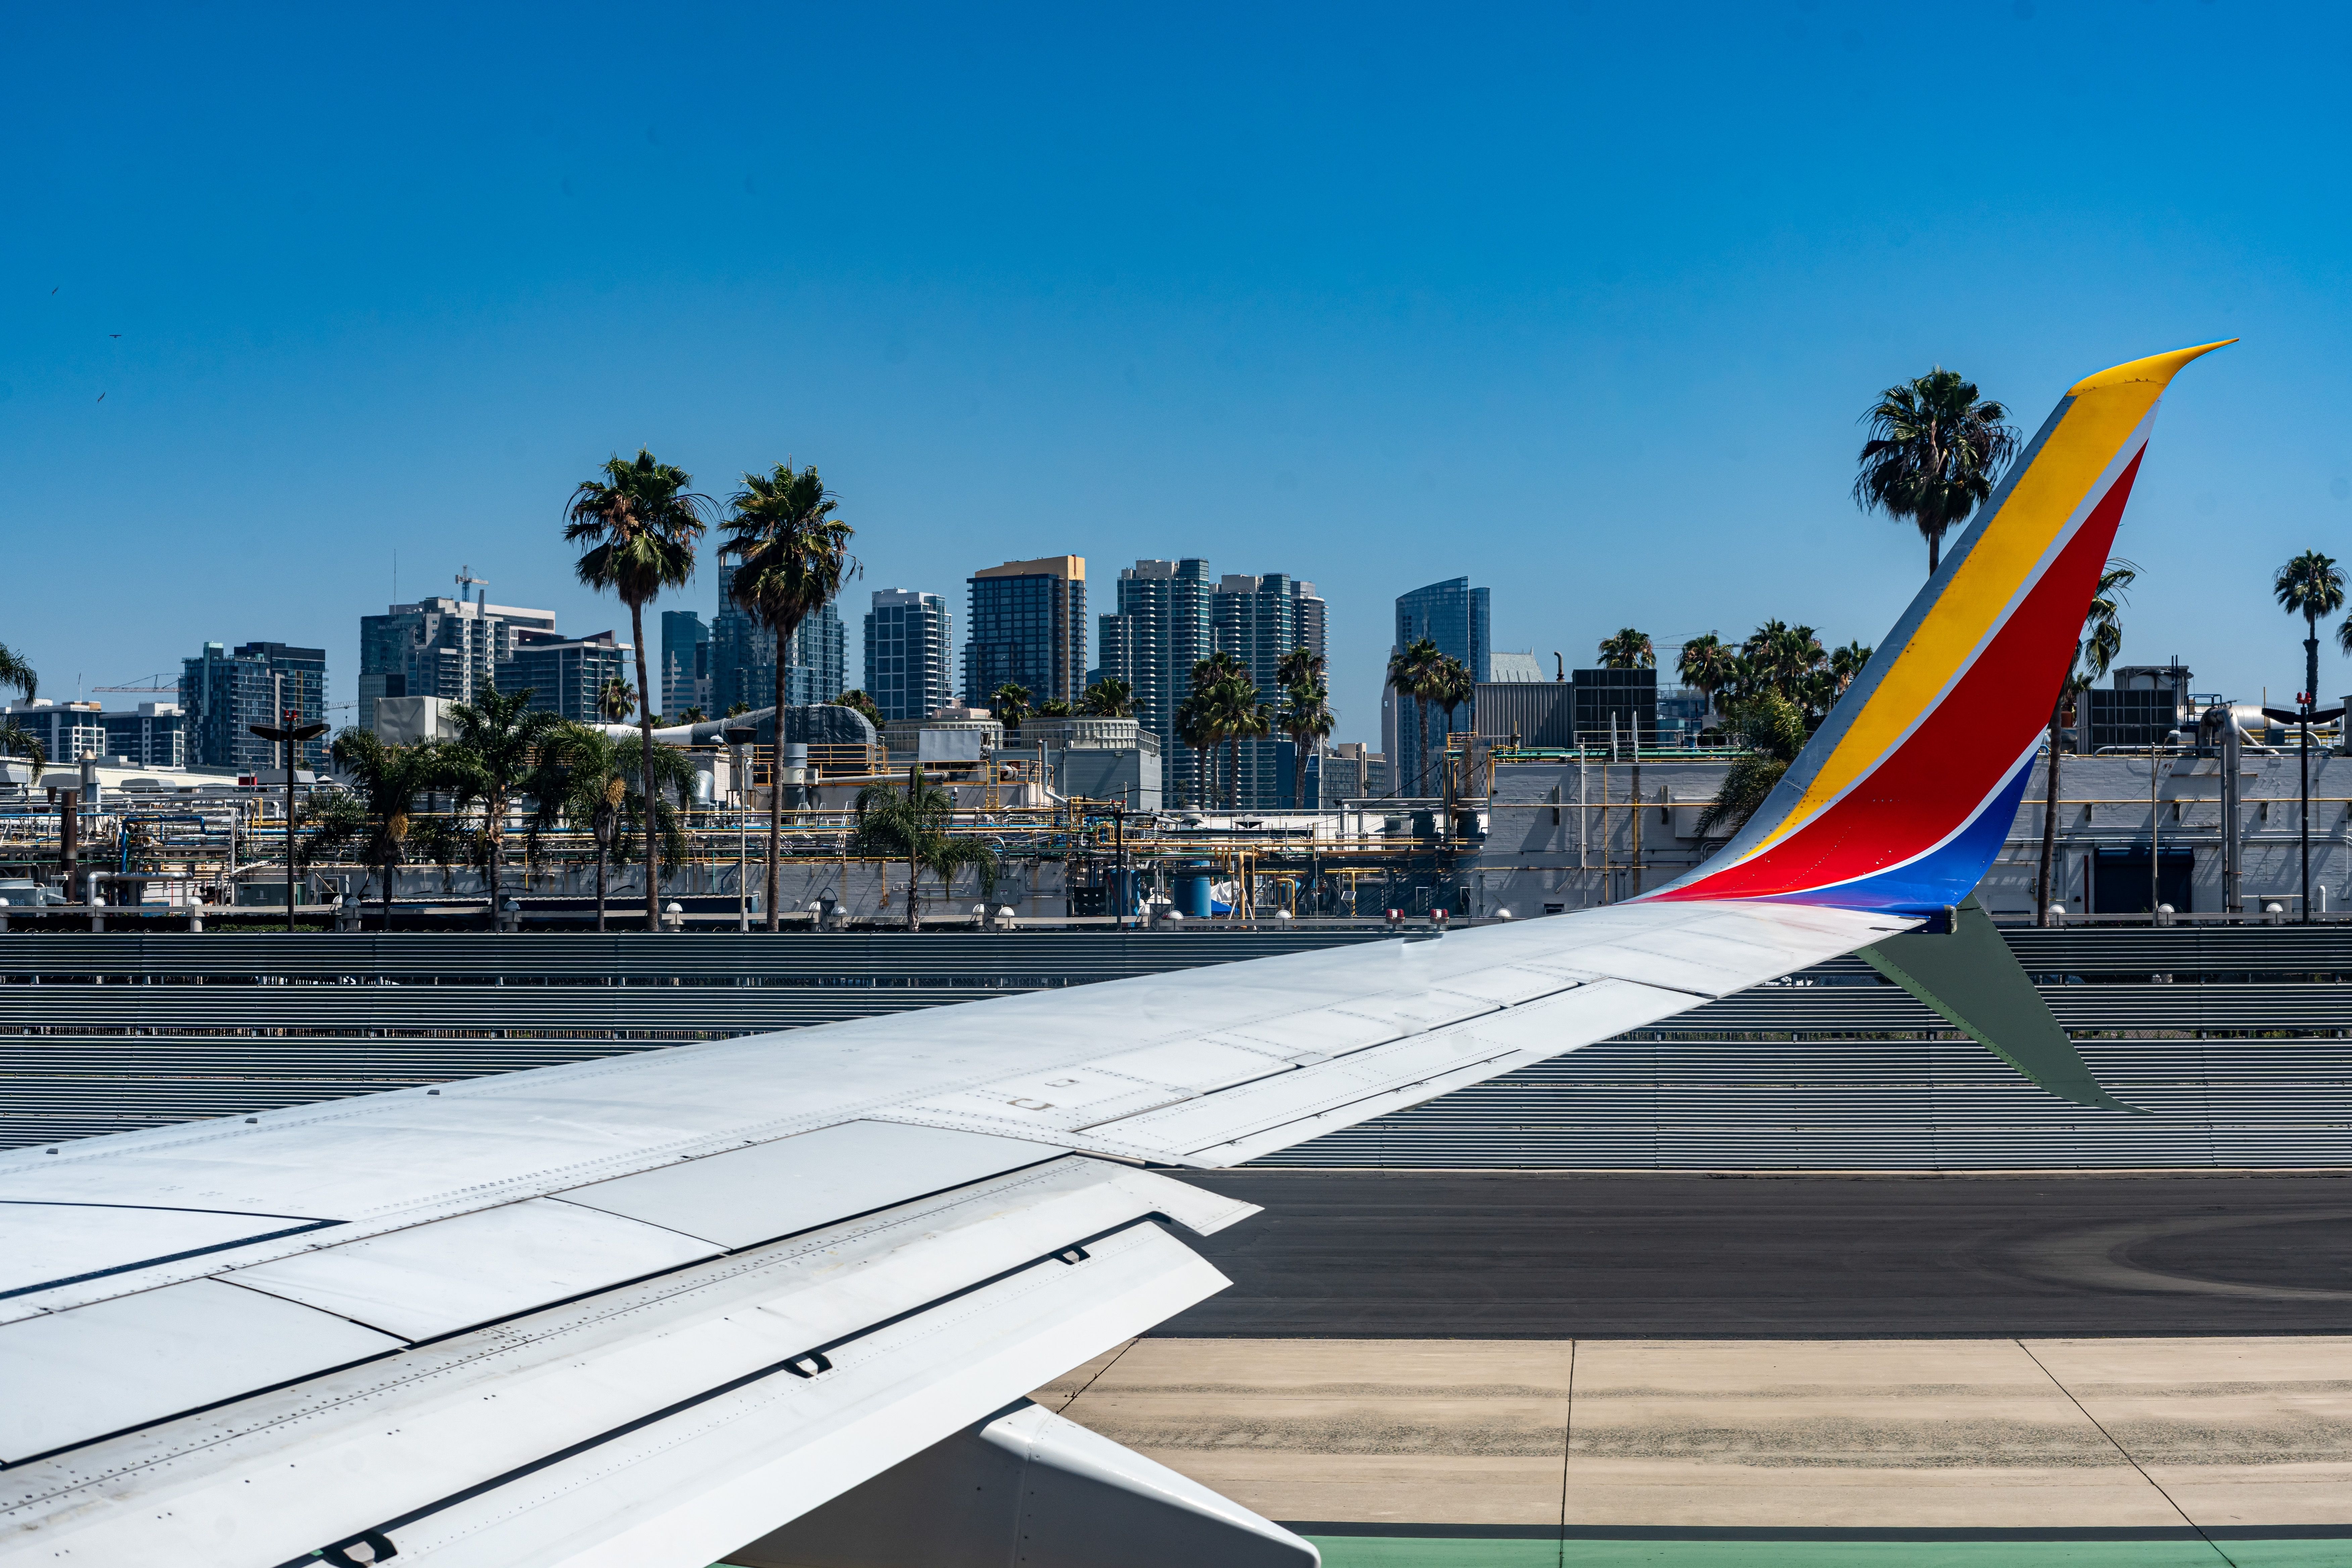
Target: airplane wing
775,1300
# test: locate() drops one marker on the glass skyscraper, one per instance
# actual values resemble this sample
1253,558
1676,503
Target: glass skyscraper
1453,614
743,657
1171,614
223,692
685,662
1027,625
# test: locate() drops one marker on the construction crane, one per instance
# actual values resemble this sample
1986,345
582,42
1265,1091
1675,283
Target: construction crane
157,679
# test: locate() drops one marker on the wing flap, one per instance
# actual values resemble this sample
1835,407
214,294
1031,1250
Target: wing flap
438,1279
768,1191
850,1347
72,1377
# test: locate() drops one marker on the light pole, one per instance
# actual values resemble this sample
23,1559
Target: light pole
2304,716
739,736
290,733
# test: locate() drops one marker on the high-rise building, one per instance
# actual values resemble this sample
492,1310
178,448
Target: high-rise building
910,653
1259,620
685,663
1172,614
1027,625
224,691
450,649
743,657
1162,628
1453,614
565,675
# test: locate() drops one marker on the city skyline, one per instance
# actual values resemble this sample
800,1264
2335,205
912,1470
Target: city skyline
1597,337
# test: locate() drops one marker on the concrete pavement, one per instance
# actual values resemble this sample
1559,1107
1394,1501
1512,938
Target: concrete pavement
1509,1453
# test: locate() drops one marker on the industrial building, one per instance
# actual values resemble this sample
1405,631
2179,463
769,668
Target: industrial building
224,691
1028,627
910,653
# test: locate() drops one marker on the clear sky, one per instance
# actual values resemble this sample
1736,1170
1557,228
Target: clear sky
1580,300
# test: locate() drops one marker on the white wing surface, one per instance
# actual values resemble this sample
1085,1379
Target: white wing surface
642,1311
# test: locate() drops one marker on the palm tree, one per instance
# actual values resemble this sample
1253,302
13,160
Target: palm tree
1302,666
793,556
582,777
1010,703
1452,687
1109,699
1628,649
1212,713
1197,727
1846,665
2310,585
639,523
2095,655
17,741
389,778
915,825
1412,672
1934,452
1706,665
1055,708
615,701
495,749
857,701
695,715
16,672
1241,715
1307,720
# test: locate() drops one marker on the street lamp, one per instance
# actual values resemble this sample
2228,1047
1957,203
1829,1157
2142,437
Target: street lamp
737,737
290,732
2304,716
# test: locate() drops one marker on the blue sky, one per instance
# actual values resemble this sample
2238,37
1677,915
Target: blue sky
1580,300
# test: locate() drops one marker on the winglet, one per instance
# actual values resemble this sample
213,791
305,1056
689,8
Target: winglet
1900,801
1971,979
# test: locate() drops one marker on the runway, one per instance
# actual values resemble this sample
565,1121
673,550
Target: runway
1561,1256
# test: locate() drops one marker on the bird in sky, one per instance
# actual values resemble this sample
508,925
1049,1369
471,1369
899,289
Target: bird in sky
114,334
101,397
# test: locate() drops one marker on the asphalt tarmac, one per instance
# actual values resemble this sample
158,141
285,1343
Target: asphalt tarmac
1560,1256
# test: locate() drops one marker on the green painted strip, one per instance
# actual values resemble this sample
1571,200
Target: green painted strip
1397,1552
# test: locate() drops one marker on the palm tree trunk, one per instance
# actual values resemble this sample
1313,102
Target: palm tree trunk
1232,773
1935,552
387,895
1420,712
645,765
493,819
2049,820
600,889
776,790
914,892
1297,770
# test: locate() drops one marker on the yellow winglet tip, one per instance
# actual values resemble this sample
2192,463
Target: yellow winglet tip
2157,368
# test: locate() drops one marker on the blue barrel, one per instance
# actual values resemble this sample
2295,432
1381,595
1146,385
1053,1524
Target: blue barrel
1191,889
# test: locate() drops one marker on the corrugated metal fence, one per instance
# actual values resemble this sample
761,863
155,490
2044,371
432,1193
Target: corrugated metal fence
2239,1041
